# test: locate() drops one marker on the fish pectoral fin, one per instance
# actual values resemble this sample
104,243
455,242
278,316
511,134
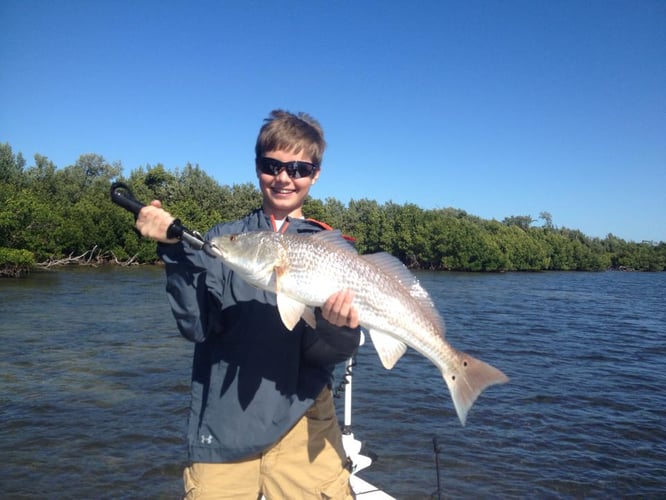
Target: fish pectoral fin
389,349
290,310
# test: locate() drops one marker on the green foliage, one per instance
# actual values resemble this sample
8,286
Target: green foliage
15,262
522,221
54,213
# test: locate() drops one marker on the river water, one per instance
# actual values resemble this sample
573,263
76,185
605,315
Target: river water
94,389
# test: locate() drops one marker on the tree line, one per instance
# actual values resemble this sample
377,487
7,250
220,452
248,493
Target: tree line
50,214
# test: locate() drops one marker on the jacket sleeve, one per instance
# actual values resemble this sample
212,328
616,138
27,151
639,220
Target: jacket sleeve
188,292
329,344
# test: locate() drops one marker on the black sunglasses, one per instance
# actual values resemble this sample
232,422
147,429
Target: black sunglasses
295,169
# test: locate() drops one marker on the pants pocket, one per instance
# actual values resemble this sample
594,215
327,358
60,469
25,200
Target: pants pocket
337,489
190,483
323,407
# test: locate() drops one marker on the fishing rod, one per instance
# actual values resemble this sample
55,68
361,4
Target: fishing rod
122,195
437,450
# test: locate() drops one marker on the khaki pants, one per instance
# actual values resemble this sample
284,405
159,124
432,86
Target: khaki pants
307,463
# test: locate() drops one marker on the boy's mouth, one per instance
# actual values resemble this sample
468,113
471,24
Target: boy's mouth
282,191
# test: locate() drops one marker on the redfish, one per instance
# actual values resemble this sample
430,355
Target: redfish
305,270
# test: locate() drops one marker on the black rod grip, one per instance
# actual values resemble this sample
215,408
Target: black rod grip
175,229
121,195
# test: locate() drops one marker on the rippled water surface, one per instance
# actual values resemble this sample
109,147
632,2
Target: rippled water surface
94,389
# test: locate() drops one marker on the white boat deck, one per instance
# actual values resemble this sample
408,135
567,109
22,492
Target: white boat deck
366,491
362,489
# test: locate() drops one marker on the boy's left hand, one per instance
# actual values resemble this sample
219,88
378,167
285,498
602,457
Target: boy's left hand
339,311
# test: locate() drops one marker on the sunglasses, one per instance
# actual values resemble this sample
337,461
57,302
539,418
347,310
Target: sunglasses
295,169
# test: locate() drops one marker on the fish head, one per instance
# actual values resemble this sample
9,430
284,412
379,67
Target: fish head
255,256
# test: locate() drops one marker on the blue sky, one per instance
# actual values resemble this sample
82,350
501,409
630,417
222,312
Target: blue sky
496,107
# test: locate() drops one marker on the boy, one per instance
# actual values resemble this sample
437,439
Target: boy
262,420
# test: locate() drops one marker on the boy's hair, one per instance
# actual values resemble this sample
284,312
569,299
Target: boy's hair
284,131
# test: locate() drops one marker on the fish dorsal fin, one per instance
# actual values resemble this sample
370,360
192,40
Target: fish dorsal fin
397,270
391,266
333,238
389,349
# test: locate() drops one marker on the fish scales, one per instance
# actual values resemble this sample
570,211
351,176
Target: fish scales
383,303
305,270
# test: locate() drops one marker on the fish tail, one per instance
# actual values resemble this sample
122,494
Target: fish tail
468,378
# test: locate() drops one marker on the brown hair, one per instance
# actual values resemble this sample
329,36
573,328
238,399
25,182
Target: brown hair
284,131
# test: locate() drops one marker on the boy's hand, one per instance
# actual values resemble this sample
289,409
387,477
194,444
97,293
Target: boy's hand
153,222
339,311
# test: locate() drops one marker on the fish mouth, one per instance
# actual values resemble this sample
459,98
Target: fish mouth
212,249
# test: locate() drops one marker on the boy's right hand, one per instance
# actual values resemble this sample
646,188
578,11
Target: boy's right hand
153,222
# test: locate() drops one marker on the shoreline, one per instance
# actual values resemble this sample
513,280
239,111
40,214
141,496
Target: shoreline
21,271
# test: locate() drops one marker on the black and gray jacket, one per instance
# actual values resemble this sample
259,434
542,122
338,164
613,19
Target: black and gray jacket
252,379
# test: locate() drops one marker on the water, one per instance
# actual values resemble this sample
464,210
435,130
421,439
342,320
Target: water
94,389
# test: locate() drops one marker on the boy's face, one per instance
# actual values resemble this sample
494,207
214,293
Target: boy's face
284,195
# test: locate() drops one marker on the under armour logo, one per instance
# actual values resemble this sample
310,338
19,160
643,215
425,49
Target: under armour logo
207,439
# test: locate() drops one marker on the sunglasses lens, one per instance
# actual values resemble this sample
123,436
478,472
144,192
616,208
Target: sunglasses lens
295,169
270,167
299,169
